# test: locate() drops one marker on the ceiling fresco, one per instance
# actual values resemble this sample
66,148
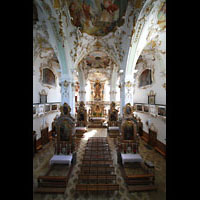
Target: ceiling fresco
97,59
97,65
162,16
97,17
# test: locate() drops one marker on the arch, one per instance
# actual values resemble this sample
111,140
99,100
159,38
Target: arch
146,20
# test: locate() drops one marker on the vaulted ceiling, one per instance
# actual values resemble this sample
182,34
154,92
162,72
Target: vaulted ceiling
92,34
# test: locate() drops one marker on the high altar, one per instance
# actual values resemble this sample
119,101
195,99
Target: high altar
97,108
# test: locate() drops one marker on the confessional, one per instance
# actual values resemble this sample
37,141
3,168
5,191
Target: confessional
138,174
113,123
64,158
81,124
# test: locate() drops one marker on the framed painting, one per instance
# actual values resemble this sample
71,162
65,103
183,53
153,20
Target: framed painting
162,110
47,108
145,78
54,107
146,108
48,77
139,107
151,99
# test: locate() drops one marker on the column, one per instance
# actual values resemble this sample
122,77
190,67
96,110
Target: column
82,96
67,94
73,103
113,95
129,85
122,98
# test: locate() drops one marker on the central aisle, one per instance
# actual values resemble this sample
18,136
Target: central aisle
95,132
70,190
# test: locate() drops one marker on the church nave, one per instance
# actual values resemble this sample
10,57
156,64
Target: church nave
44,156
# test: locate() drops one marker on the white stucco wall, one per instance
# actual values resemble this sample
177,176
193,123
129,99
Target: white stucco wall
53,95
158,123
42,122
141,96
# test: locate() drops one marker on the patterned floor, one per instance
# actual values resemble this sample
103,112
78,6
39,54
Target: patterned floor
41,161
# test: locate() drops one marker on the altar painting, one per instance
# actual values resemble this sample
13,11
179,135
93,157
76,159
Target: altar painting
145,78
48,77
97,17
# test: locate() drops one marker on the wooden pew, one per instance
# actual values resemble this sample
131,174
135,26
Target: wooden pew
139,176
97,187
142,188
98,162
97,177
50,190
96,170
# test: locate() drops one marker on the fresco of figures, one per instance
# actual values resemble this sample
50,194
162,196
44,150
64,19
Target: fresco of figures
97,17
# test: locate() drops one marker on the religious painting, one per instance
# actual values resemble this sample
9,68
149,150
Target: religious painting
139,107
54,107
97,17
48,77
162,110
145,78
146,108
151,99
97,91
47,108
